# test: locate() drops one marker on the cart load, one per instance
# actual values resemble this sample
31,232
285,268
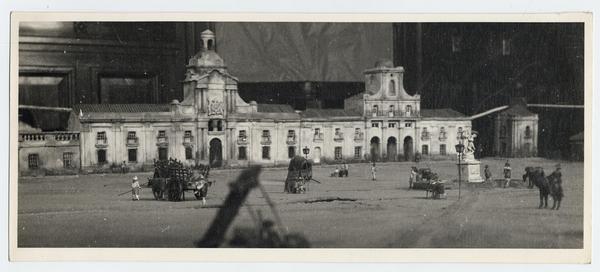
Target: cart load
299,174
172,178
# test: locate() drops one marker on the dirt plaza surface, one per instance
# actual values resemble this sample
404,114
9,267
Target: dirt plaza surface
86,211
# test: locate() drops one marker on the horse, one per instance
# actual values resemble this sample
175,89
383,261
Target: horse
556,190
537,177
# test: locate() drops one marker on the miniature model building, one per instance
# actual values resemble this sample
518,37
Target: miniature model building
214,125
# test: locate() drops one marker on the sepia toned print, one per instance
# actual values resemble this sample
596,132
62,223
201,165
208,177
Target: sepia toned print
395,135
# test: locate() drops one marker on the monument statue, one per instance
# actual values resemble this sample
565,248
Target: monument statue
469,164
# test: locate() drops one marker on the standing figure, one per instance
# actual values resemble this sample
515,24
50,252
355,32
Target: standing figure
123,167
488,173
345,168
374,171
507,174
135,189
413,177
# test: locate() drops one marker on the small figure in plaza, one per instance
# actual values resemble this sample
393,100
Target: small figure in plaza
123,167
135,189
488,173
336,172
374,171
507,174
557,172
413,176
344,171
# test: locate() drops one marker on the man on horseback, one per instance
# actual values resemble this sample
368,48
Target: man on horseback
555,184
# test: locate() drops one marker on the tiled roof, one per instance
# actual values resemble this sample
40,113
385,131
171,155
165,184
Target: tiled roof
275,108
518,110
325,113
121,108
445,113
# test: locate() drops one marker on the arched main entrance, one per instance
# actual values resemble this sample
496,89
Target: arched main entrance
408,148
392,149
215,153
375,148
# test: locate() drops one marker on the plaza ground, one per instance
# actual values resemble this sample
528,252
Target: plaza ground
86,211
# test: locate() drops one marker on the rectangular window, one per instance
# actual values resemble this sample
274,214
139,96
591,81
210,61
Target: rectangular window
265,133
375,124
163,153
67,160
442,149
266,152
33,161
162,134
242,153
101,156
338,152
391,125
425,149
101,138
187,134
132,155
408,125
189,153
131,135
291,152
357,152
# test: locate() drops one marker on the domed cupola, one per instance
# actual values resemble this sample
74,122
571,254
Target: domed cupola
207,59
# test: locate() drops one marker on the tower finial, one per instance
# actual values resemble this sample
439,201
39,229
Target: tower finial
208,40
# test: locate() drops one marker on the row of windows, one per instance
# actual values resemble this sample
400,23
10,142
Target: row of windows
132,136
33,160
425,149
266,152
392,108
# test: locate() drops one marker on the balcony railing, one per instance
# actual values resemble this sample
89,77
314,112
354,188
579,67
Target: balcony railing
44,136
162,141
291,140
425,136
132,141
265,140
242,140
338,137
395,113
443,137
318,137
188,139
359,136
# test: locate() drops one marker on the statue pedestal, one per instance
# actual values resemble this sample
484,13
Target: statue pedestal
470,170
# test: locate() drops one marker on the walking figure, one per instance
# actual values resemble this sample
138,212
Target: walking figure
135,189
374,171
507,174
413,177
488,173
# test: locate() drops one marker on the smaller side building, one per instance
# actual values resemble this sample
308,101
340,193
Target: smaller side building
516,131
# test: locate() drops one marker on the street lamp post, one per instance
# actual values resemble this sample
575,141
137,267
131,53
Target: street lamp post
306,150
459,150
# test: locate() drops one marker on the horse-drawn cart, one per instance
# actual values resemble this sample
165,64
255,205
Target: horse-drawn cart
429,181
172,178
299,174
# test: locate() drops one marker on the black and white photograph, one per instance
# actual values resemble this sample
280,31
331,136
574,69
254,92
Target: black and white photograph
382,134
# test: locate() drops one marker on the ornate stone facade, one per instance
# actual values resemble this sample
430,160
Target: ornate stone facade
214,125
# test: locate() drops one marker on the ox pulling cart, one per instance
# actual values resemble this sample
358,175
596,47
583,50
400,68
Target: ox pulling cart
172,178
